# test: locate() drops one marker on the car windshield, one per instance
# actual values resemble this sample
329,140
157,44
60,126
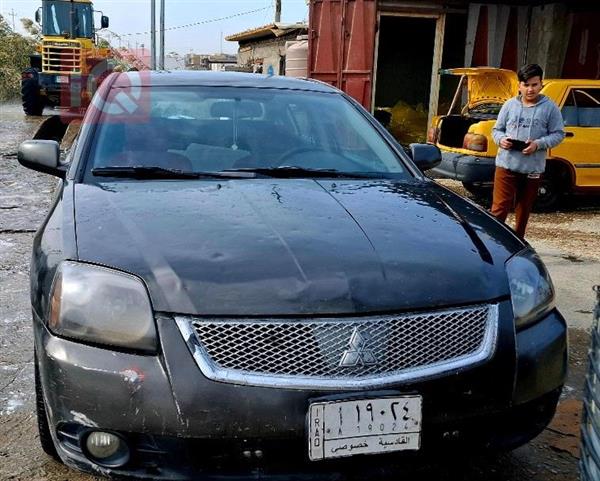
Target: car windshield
57,19
216,129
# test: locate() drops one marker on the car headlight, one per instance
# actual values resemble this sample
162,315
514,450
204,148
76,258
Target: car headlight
531,290
101,305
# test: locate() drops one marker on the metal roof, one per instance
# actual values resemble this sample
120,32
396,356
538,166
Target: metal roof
271,29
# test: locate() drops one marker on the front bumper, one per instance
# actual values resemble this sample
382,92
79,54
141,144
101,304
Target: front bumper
180,424
50,84
466,168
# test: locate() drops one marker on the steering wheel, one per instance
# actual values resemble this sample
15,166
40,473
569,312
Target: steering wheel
295,151
341,163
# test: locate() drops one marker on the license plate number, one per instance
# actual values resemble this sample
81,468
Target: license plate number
364,426
62,79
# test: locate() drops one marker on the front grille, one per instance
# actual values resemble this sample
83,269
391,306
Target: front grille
60,57
340,352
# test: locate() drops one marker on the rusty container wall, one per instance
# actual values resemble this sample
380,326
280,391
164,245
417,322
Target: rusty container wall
342,45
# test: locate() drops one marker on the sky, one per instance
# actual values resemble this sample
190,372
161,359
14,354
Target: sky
133,16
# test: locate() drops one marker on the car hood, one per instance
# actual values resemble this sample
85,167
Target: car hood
487,84
293,246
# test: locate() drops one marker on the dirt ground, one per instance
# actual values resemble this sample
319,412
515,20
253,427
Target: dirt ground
568,242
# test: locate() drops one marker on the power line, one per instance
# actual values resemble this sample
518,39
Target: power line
202,22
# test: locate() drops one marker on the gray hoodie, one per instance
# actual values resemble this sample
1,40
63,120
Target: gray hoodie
541,122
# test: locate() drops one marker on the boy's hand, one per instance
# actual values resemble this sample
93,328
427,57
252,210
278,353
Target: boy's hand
505,143
531,148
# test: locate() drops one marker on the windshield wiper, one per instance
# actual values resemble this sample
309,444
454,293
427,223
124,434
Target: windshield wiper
291,171
144,172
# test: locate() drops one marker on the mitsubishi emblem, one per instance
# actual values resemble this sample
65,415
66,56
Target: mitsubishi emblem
358,353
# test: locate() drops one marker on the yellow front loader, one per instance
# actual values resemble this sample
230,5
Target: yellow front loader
69,64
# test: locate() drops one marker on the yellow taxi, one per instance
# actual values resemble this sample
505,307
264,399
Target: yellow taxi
464,134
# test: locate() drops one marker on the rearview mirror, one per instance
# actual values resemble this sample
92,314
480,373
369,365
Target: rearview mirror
43,156
104,21
37,16
425,156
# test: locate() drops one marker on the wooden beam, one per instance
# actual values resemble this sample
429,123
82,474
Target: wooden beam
438,49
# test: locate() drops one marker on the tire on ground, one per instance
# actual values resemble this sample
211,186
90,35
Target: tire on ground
478,190
33,103
556,182
42,419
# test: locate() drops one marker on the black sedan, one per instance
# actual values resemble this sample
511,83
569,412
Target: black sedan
247,275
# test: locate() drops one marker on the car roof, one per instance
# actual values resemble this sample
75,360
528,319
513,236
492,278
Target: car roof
218,79
574,81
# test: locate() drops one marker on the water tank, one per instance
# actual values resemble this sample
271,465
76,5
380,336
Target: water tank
296,58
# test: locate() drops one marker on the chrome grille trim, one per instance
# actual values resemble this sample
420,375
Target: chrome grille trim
365,376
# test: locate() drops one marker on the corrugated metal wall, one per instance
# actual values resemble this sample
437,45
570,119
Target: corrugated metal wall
342,45
583,52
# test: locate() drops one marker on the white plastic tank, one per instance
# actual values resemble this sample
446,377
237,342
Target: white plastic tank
296,58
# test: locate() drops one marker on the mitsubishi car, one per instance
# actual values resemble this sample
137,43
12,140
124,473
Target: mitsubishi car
245,275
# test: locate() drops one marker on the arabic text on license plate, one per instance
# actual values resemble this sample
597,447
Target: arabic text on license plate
62,79
364,426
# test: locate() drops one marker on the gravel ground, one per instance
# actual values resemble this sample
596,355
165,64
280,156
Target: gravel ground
568,242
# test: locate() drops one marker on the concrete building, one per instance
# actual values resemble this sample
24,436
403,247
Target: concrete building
262,49
216,62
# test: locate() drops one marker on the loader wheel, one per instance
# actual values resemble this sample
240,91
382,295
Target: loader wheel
33,103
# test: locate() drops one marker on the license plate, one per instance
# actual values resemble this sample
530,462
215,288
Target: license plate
62,79
364,426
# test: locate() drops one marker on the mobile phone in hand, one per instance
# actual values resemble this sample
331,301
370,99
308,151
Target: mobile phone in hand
519,145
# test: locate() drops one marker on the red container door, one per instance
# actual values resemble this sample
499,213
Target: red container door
342,45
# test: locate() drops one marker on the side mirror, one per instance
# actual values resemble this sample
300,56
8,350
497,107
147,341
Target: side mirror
425,156
43,156
37,15
104,21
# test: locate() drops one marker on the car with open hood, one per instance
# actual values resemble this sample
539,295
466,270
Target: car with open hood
247,275
464,134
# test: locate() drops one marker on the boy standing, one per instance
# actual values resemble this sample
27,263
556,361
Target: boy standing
526,127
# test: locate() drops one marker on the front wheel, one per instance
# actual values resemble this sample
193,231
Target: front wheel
33,102
42,418
549,192
479,191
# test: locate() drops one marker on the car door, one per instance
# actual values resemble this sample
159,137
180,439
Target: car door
581,146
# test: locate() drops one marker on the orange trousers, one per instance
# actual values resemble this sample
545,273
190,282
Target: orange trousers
513,190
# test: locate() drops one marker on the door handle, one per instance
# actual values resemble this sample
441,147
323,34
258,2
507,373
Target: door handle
569,134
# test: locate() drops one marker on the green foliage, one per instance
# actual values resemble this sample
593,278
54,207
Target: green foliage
14,58
32,28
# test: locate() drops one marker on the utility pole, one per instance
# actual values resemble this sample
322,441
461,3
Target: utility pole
13,15
161,60
153,34
277,11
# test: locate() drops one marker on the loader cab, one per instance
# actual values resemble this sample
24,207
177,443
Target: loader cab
69,19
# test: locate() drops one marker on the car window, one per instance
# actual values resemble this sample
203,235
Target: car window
582,108
210,129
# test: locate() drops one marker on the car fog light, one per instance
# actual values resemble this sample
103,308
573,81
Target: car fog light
107,449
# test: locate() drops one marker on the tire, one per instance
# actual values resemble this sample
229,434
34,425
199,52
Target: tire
478,190
550,192
33,103
42,418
